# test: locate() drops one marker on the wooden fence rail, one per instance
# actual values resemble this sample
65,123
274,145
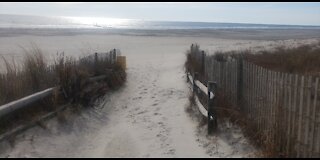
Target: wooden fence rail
209,91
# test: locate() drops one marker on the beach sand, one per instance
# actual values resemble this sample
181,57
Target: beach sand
146,117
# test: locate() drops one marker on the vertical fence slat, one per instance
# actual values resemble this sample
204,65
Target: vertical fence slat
256,105
313,120
245,86
235,83
247,104
265,100
300,116
261,100
289,109
272,123
258,109
250,84
279,110
252,92
268,104
276,107
227,79
285,112
295,115
231,82
318,128
307,116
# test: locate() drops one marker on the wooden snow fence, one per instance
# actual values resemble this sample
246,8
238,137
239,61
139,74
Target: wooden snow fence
284,108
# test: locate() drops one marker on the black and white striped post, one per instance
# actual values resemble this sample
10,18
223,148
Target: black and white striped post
212,118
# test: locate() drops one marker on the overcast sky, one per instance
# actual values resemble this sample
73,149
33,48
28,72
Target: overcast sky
241,12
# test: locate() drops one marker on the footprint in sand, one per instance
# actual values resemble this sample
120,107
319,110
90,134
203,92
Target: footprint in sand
124,107
142,112
135,98
171,151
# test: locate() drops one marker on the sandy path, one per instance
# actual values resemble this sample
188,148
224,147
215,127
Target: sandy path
146,118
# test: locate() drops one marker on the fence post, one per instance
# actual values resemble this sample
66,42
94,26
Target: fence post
222,76
212,118
202,63
195,76
187,77
114,56
191,48
240,83
96,62
110,56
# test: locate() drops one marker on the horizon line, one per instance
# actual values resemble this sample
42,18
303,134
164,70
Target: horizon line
254,23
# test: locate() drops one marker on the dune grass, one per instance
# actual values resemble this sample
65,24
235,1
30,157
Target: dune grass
35,74
302,59
31,76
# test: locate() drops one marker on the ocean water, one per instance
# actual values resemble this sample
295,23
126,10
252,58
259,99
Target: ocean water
26,21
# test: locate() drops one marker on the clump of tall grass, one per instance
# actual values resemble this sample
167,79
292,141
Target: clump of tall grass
31,76
74,76
193,63
69,75
304,59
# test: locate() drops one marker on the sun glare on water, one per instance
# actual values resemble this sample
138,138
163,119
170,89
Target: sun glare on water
101,22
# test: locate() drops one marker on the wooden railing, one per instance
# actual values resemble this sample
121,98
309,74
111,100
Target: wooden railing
209,91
